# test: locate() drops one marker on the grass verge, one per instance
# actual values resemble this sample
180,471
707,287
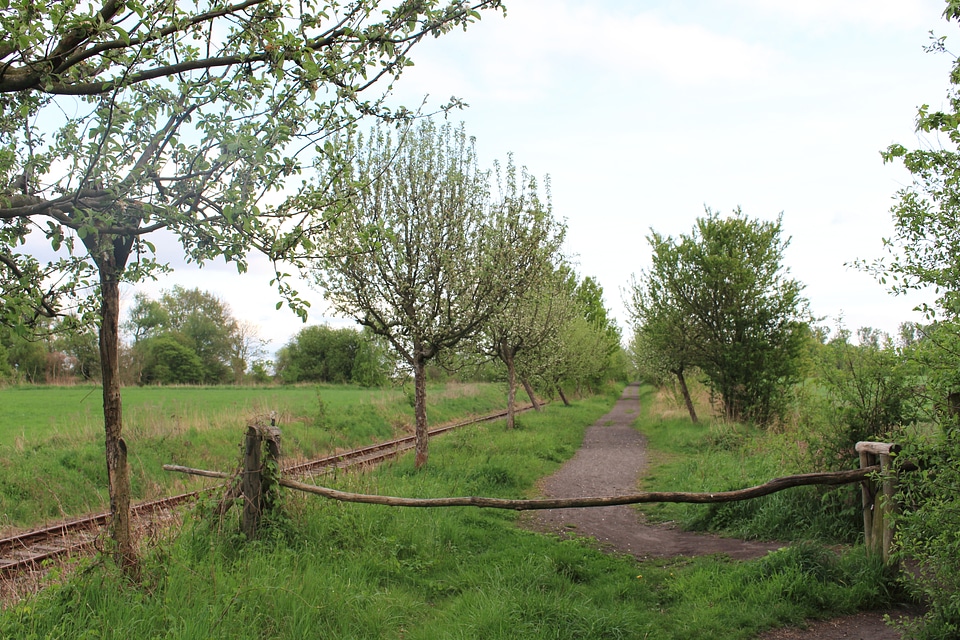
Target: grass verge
327,569
713,456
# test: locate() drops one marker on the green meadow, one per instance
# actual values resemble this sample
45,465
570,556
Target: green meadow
51,438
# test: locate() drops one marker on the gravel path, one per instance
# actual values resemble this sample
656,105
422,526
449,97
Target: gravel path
610,461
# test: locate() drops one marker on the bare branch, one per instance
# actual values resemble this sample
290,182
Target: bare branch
830,478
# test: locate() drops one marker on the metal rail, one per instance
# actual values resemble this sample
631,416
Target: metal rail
28,550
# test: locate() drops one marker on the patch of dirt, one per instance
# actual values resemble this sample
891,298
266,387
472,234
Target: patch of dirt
609,462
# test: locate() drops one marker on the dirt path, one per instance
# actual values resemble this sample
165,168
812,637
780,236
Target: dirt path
611,459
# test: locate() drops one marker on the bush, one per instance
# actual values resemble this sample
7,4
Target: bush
928,531
170,362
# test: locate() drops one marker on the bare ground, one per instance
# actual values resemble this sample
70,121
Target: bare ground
610,462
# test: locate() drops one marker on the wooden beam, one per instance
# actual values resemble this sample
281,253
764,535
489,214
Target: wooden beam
877,448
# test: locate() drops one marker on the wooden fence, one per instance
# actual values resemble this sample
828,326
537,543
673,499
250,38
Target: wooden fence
260,475
878,491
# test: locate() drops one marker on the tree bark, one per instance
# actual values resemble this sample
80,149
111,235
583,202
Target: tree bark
110,254
420,410
507,354
686,396
118,471
563,396
533,397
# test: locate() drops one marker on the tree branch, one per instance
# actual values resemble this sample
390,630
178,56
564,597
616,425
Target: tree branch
773,486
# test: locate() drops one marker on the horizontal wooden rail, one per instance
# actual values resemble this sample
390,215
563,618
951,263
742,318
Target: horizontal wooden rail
773,486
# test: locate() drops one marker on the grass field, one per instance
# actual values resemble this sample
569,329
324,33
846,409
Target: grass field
338,570
51,443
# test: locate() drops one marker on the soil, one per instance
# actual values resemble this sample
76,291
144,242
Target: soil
610,462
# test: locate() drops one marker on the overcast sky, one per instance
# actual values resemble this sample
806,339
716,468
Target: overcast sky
644,112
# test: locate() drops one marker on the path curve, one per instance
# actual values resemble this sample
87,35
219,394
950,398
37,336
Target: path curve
610,461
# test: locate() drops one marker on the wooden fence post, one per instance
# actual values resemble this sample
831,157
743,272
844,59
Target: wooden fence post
255,484
879,504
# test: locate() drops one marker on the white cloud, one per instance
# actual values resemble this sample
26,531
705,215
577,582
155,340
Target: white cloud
542,45
832,15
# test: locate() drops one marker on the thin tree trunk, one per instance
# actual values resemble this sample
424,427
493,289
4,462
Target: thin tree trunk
563,397
531,394
118,472
110,254
420,410
686,396
507,356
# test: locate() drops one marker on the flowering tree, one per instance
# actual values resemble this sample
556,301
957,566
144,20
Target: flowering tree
201,118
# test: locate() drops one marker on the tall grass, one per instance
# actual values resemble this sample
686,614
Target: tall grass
51,438
338,570
718,456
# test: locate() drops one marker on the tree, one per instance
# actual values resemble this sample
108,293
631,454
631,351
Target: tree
421,257
868,383
80,346
585,350
207,326
664,337
136,116
720,299
6,368
924,254
529,321
323,354
246,347
589,296
168,361
146,318
27,357
580,359
373,364
200,322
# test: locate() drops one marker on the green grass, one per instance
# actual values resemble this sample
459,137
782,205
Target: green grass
51,438
339,570
715,456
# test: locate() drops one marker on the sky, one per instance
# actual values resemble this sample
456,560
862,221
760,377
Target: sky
643,113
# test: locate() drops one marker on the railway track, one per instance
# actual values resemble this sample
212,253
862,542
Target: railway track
28,550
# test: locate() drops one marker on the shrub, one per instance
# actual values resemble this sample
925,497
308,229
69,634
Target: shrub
928,531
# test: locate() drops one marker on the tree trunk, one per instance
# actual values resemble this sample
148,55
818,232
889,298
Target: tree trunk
110,254
563,397
507,356
531,394
118,471
420,409
686,396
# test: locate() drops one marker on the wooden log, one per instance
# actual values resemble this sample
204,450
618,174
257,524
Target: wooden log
778,484
773,486
197,472
250,483
877,448
888,505
866,499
